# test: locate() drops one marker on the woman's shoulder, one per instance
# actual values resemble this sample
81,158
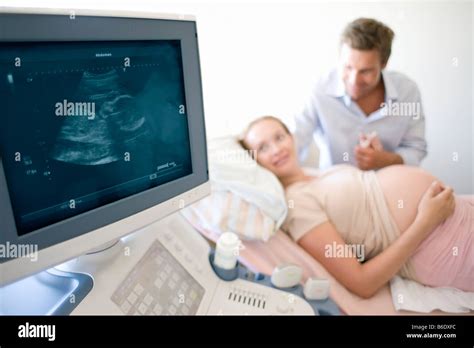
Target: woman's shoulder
307,186
303,186
337,169
312,171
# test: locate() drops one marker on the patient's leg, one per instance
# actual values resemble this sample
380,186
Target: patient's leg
446,257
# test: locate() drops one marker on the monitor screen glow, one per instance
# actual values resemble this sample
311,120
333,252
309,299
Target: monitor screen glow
89,123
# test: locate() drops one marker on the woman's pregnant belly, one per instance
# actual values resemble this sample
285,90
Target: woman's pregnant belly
403,187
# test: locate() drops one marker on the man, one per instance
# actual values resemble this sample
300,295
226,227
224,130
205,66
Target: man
360,113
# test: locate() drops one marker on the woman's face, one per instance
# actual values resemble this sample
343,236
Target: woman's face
275,147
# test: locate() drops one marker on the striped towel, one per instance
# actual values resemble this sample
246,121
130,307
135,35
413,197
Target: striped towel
245,198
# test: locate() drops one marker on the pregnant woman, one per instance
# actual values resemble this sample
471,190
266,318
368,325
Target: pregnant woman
403,219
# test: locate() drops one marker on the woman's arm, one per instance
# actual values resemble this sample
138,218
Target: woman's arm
362,279
365,279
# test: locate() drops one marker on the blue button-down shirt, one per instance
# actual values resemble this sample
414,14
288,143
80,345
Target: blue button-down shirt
335,121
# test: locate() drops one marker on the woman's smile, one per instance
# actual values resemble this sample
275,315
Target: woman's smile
281,160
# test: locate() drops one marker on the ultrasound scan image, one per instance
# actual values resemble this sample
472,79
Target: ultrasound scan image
88,123
120,123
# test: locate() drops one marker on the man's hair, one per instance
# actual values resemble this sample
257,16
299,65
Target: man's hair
367,34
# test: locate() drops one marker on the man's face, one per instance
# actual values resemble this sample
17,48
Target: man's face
360,70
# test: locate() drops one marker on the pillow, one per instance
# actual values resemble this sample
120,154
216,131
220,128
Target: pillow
245,198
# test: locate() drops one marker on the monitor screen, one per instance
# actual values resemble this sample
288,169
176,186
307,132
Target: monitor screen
86,124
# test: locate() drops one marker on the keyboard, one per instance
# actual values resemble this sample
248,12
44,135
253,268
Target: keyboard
158,285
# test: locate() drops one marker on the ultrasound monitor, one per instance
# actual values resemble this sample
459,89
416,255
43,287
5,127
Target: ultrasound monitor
102,131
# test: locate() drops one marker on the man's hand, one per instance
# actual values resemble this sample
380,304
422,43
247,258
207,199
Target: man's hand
373,156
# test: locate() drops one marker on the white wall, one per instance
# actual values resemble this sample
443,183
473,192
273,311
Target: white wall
261,57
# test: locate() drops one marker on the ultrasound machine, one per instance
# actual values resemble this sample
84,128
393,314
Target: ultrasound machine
102,142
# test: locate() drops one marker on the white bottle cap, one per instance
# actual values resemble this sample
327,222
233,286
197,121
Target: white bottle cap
227,249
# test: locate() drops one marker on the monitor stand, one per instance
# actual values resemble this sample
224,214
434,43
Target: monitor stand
96,258
50,292
58,290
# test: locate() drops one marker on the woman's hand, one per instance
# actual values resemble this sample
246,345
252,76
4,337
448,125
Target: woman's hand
436,205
